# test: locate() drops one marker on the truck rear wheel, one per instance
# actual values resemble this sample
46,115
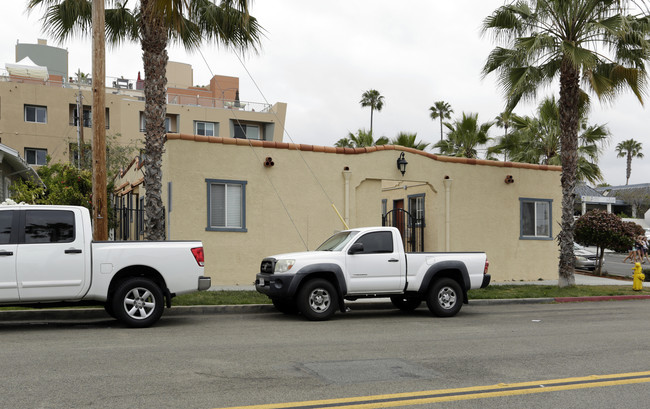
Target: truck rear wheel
405,303
138,302
317,300
445,298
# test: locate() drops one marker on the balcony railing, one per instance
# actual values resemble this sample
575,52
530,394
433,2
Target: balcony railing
133,88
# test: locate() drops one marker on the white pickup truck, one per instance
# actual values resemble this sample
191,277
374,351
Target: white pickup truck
48,258
369,263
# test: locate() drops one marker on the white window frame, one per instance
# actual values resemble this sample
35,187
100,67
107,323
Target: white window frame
36,151
205,128
37,109
234,219
541,211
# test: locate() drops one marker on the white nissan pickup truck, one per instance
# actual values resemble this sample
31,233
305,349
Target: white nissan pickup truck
369,263
48,258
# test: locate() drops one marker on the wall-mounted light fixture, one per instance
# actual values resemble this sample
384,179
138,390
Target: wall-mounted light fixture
401,163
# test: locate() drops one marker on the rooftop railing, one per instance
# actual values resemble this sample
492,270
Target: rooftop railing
134,89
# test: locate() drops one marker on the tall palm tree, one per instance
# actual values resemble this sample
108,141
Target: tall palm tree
362,139
543,40
442,110
629,149
408,140
464,137
154,23
373,99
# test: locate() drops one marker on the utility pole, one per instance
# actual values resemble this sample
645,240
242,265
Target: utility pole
80,125
99,202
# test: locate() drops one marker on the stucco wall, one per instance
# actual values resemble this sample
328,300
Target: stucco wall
289,205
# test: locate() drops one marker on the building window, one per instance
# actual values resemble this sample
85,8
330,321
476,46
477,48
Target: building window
416,208
226,205
35,156
535,222
205,128
36,114
247,131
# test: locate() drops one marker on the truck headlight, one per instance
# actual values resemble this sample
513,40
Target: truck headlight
284,265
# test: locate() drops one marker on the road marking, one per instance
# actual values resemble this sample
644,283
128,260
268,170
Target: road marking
475,392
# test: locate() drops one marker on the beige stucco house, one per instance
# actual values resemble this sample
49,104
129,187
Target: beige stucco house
247,199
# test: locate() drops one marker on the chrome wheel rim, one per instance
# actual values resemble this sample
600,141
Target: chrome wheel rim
447,298
319,300
139,303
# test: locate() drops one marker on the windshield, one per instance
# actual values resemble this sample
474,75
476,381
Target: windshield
337,241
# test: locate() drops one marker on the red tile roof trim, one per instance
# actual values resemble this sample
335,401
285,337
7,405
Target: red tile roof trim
355,151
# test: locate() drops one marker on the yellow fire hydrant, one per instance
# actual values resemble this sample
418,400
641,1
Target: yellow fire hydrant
637,283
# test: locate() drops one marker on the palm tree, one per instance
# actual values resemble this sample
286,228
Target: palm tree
504,120
547,39
442,110
464,137
154,23
361,139
630,149
537,140
373,99
408,140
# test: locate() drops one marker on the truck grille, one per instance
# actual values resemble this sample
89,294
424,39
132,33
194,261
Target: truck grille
268,266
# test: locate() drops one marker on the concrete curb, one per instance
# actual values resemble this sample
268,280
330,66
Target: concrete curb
99,313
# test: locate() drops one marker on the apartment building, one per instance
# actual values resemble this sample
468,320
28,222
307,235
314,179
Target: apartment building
46,111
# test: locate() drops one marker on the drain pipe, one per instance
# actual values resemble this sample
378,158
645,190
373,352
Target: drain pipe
346,175
447,181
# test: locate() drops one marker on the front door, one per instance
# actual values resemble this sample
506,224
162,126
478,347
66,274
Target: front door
380,268
50,263
8,283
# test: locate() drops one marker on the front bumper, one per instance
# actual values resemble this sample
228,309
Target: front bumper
204,283
274,285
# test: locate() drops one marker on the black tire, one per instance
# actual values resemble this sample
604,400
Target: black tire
445,298
317,300
285,305
405,303
138,302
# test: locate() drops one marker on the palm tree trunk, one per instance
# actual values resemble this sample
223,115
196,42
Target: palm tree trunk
569,100
628,171
441,128
371,112
154,48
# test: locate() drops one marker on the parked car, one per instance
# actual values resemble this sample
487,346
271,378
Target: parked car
585,259
370,262
48,259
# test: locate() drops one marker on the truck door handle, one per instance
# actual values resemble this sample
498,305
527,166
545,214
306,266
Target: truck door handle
393,260
6,253
73,251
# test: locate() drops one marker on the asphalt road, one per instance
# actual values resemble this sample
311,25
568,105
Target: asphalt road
614,265
226,360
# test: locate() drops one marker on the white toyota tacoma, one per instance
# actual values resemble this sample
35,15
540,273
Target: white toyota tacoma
48,258
369,263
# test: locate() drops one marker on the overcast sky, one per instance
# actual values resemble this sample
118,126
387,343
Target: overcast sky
319,57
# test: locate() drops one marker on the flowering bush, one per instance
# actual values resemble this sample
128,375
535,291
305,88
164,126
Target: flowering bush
605,231
64,185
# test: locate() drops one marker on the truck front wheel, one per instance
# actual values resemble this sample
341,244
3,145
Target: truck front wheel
138,302
445,298
317,300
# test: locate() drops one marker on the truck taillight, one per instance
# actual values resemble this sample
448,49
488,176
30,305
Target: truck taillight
487,264
197,252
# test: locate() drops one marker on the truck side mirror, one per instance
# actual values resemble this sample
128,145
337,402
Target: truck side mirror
356,248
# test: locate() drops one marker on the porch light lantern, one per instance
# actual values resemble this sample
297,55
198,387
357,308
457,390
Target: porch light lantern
401,163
